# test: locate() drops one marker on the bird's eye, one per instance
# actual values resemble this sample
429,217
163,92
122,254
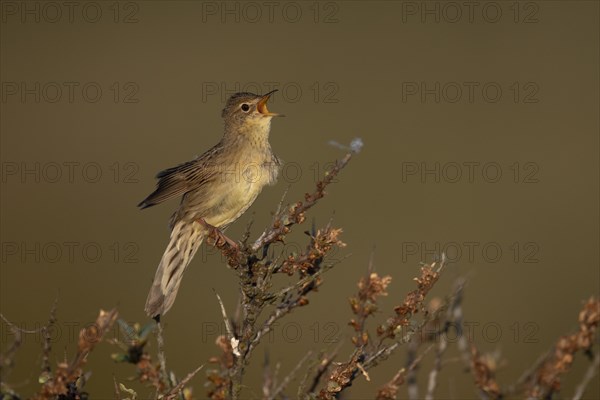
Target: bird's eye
245,107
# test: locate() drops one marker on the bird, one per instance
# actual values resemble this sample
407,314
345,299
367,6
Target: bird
216,188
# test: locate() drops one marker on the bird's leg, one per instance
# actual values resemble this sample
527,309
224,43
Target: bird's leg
217,235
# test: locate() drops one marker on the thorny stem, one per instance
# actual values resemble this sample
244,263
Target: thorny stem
589,375
364,358
255,276
283,221
453,314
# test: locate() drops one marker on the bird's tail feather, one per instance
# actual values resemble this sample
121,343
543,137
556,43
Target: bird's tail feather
186,238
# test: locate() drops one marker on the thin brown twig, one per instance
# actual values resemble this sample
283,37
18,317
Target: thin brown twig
255,274
590,373
162,358
6,358
47,340
412,386
483,369
181,385
453,314
117,391
232,339
289,377
285,307
389,391
69,372
295,215
362,360
527,376
268,380
321,364
364,304
547,378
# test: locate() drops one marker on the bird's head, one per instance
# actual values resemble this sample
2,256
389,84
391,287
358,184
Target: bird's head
248,111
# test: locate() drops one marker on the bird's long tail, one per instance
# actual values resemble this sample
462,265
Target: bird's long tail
186,238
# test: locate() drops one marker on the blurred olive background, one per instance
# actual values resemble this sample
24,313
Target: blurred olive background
481,139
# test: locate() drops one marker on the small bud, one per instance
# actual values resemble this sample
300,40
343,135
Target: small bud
303,301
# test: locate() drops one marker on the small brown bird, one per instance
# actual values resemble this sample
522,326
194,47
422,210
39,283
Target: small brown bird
216,188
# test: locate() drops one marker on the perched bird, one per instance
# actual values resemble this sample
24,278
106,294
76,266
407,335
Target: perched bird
216,188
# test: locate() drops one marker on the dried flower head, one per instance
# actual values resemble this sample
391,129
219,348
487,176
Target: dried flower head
546,379
483,367
413,302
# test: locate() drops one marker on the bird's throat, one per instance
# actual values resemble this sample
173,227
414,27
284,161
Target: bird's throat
252,134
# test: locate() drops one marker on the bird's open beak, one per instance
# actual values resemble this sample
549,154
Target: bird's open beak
261,106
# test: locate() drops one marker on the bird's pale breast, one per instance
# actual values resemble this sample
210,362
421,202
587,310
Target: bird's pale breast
232,192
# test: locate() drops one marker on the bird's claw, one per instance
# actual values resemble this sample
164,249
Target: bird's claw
216,234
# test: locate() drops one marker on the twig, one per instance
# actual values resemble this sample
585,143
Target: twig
432,381
277,212
68,372
295,215
284,308
364,304
547,377
162,358
411,375
587,378
323,361
267,377
483,370
527,375
385,352
246,234
233,340
389,391
6,358
46,343
15,328
286,381
453,315
255,271
342,376
117,391
180,386
457,320
413,301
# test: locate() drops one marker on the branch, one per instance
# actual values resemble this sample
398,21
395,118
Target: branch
284,220
587,378
181,385
68,373
547,377
453,317
162,358
362,360
286,381
232,339
389,391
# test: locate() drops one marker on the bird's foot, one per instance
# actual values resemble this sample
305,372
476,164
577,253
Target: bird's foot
219,237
